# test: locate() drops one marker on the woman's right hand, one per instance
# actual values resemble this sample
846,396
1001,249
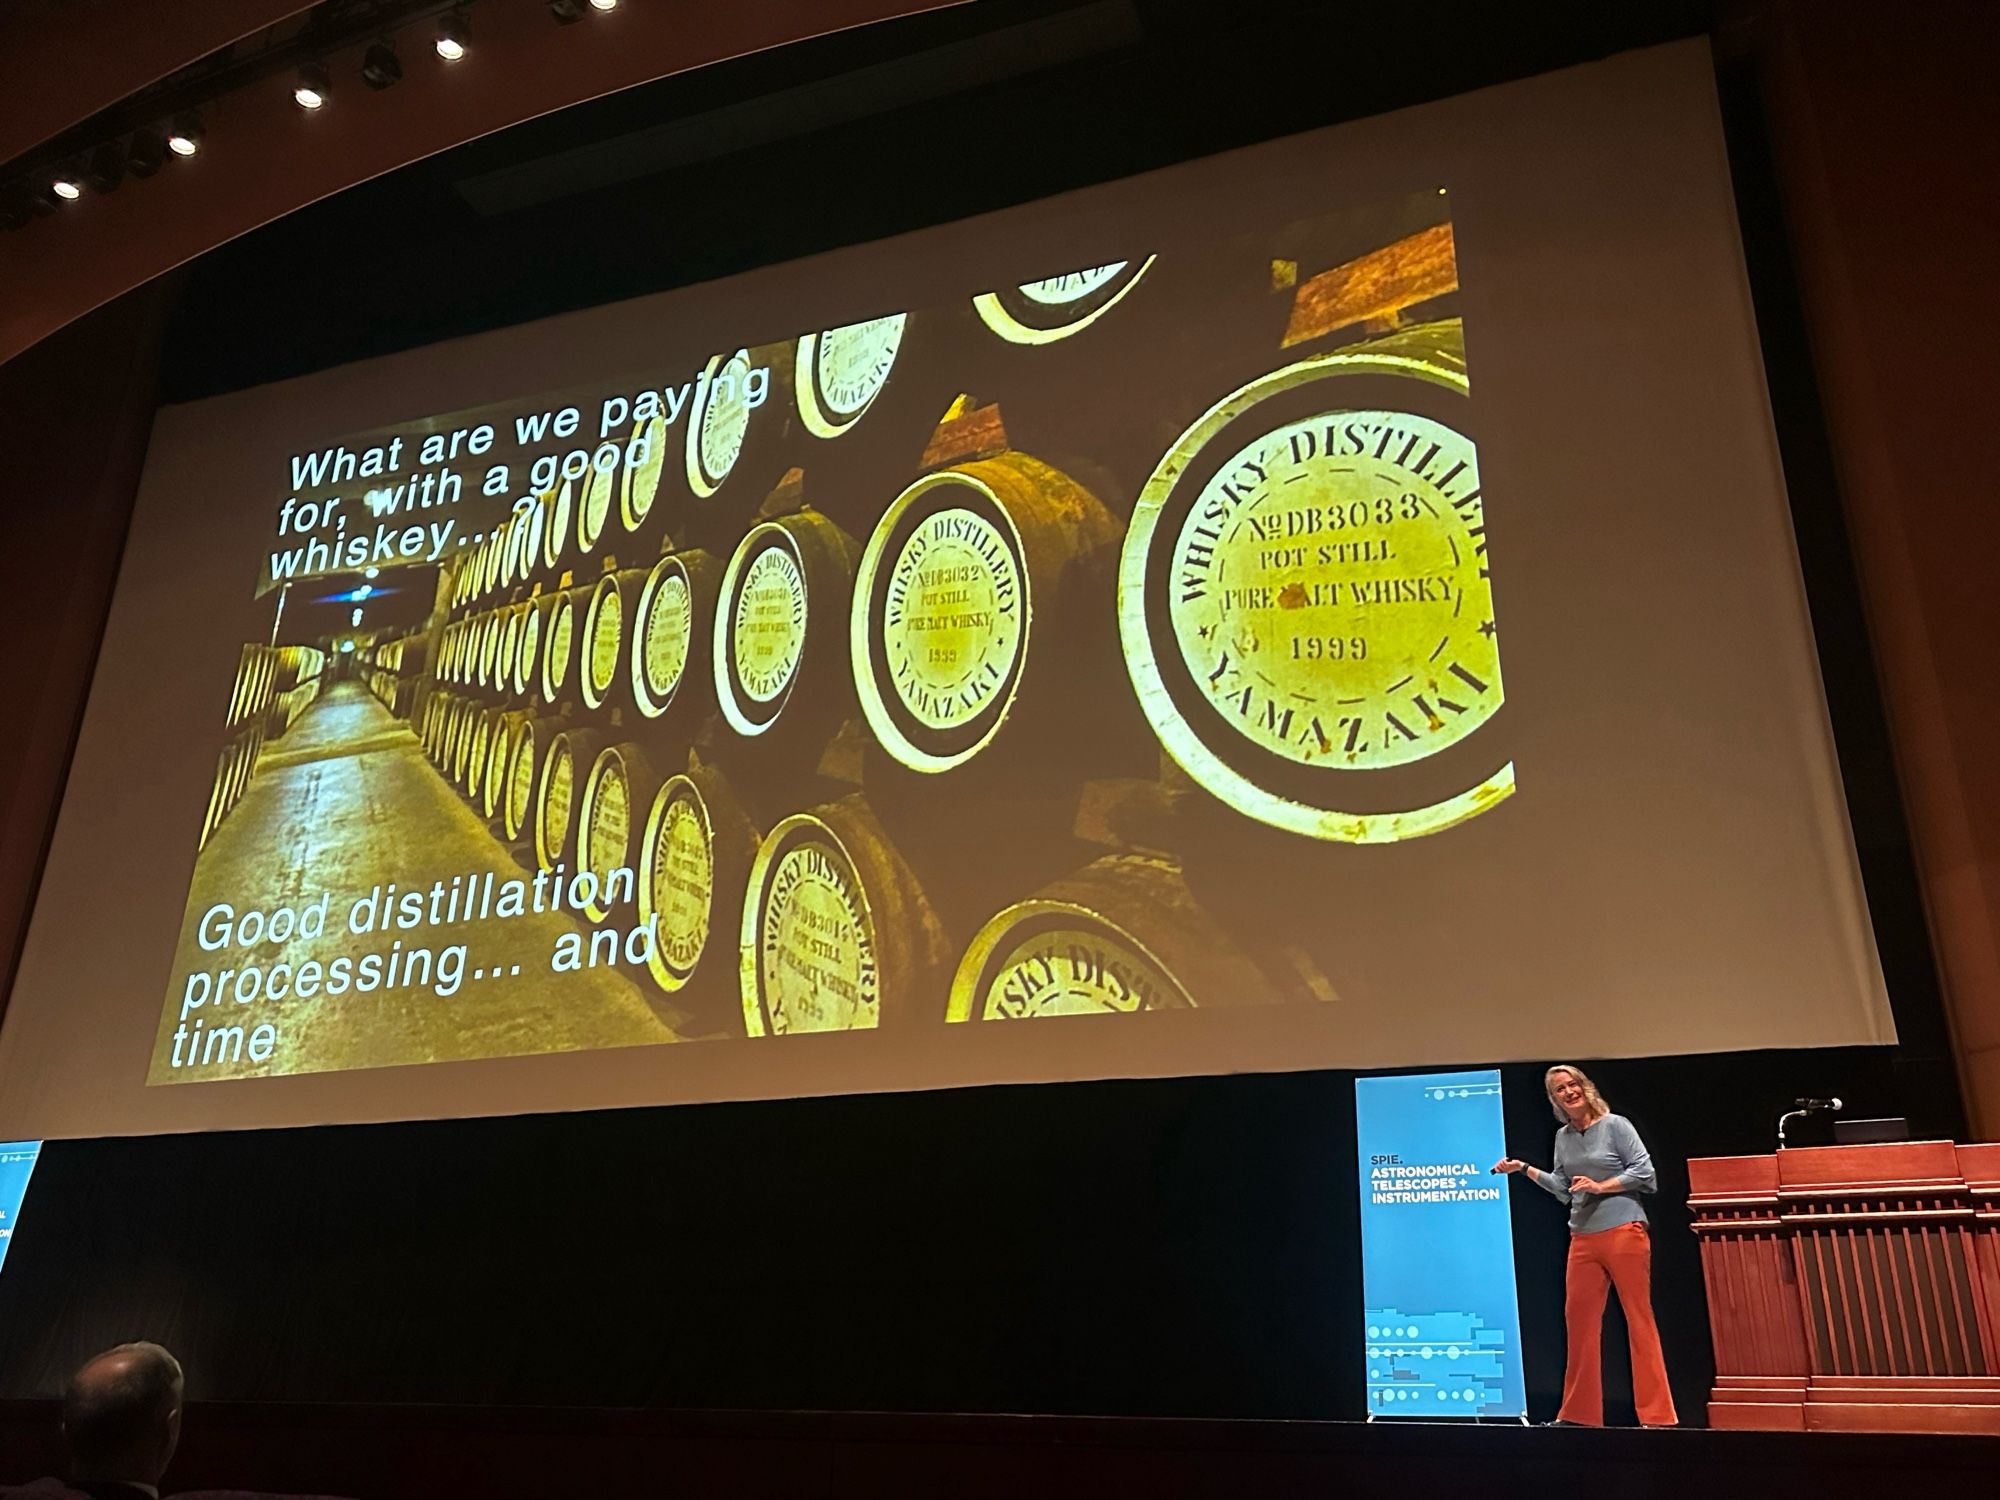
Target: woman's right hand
1508,1165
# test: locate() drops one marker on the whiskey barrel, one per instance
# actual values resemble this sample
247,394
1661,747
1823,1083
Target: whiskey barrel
616,795
722,425
448,735
461,745
494,667
1120,936
597,491
525,677
473,775
694,864
434,720
1353,723
1054,308
837,934
674,616
567,761
531,516
558,509
562,634
601,662
493,781
639,476
968,569
780,634
508,658
839,373
526,752
427,723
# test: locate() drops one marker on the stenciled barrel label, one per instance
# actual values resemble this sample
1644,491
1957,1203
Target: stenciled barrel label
843,370
768,625
608,834
669,636
562,630
1304,599
521,782
639,479
1329,593
606,634
530,648
558,785
814,944
951,622
1070,286
679,878
1075,968
593,508
1055,307
716,441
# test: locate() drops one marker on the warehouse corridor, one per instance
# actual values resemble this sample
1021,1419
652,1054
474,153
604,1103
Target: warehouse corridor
341,805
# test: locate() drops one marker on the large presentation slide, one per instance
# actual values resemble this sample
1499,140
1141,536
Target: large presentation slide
1327,605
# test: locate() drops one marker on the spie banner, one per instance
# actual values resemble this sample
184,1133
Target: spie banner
17,1161
1437,1250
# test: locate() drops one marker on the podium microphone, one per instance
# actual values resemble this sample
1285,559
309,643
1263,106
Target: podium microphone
1800,1108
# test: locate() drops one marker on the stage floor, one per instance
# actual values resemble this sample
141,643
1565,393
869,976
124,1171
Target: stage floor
393,1452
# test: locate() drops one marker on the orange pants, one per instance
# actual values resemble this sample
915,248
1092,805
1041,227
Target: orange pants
1621,1257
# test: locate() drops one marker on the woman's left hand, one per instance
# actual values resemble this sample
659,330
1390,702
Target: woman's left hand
1588,1185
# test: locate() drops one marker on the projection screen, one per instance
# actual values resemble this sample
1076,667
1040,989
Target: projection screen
1327,605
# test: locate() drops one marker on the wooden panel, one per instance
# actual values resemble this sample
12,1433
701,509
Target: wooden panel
1873,1272
1732,1176
1877,1168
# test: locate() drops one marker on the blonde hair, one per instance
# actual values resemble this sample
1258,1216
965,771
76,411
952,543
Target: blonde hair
1591,1098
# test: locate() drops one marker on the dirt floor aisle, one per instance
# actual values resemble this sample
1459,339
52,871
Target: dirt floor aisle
342,804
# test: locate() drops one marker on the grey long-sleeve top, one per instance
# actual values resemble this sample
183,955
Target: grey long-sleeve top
1610,1147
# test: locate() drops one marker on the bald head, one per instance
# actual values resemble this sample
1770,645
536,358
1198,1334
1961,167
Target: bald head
122,1414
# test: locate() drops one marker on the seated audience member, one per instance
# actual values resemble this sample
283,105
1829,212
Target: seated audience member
121,1421
121,1418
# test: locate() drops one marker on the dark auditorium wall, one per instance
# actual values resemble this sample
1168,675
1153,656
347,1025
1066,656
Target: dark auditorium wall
1176,1247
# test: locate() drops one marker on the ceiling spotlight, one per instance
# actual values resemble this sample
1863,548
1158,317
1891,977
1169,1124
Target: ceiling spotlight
566,11
380,67
313,86
604,4
454,31
67,185
184,135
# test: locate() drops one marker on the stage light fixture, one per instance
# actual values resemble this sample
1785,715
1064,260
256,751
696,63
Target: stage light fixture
380,67
67,185
454,31
184,136
603,5
313,86
147,153
566,11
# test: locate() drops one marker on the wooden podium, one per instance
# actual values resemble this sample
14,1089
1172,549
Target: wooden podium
1853,1288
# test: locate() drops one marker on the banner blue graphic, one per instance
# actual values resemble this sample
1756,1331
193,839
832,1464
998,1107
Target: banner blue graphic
17,1164
1437,1248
